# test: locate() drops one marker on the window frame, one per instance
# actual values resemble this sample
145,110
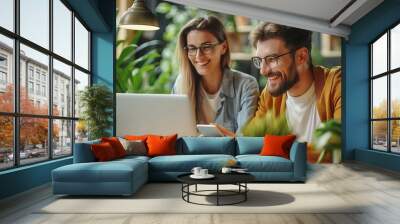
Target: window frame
16,115
388,74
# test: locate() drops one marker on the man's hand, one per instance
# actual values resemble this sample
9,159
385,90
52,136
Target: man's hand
224,131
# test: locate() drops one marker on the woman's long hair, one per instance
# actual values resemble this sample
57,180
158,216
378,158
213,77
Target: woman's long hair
190,80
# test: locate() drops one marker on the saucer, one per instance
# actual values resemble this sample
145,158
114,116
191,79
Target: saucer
208,176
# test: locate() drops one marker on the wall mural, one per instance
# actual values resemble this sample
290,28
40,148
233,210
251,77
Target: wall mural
249,77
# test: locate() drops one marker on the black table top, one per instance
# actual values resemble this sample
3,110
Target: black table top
220,178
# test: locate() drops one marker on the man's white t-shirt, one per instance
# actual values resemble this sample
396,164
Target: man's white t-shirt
302,114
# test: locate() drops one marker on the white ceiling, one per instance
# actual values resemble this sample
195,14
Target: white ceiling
315,15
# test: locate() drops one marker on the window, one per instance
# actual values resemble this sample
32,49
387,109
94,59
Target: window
3,78
37,74
3,61
45,131
81,45
30,73
385,97
38,89
7,14
6,89
3,72
30,88
44,77
44,91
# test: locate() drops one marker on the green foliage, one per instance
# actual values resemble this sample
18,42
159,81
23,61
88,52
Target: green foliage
138,67
97,104
327,138
267,124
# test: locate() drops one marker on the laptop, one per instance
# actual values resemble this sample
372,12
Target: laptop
160,114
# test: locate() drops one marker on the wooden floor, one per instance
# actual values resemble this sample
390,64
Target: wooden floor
377,188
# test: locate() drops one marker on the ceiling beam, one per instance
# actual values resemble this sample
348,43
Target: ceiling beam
346,12
270,15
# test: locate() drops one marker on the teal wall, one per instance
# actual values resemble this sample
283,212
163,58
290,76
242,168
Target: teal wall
99,16
356,85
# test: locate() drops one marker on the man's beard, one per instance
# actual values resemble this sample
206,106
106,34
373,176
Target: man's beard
286,83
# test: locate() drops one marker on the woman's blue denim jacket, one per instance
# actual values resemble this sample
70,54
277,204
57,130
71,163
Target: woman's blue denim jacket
238,100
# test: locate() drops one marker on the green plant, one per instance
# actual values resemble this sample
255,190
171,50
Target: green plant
138,67
267,124
328,137
96,102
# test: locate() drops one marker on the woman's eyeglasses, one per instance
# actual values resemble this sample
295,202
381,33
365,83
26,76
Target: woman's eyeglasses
206,48
271,61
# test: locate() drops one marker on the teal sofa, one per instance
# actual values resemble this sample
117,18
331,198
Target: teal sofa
125,176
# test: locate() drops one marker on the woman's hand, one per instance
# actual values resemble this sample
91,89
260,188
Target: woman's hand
224,131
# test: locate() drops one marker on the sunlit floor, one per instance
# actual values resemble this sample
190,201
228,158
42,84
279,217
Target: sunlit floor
378,189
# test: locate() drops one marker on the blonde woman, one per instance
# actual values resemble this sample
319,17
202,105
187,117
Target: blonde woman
218,94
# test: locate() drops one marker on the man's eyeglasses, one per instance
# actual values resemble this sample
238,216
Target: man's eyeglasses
206,48
271,61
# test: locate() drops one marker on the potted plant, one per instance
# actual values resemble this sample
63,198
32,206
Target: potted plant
328,138
96,102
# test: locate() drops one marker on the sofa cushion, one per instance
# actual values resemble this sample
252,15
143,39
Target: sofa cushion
249,145
159,145
134,147
103,152
185,163
116,145
112,171
206,145
277,145
257,163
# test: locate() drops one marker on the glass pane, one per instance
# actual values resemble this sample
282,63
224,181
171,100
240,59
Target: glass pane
81,81
395,136
62,138
62,89
33,139
7,14
379,97
35,21
6,74
379,55
6,142
62,29
395,47
34,92
379,135
81,131
81,45
395,94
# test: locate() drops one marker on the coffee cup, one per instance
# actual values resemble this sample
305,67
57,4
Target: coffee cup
203,172
196,171
226,170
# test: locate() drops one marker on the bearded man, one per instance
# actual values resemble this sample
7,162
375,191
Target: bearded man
307,94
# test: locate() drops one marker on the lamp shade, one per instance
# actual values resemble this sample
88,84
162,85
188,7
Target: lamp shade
139,17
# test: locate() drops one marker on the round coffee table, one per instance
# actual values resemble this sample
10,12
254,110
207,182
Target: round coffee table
238,179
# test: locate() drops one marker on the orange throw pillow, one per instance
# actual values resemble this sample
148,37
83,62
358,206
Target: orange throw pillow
277,145
116,145
161,145
103,152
